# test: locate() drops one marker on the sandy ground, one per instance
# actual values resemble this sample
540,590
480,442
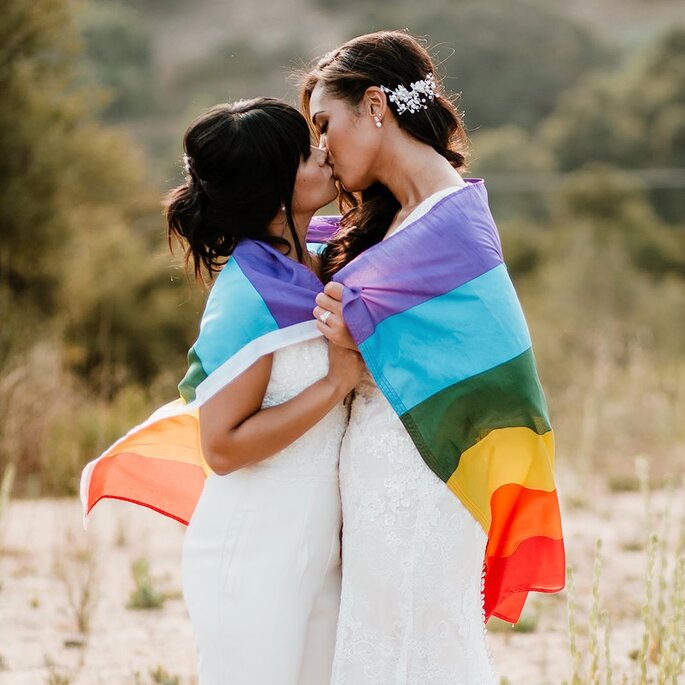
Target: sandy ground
45,558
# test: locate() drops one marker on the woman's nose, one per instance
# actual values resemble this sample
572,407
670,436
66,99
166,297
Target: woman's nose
322,154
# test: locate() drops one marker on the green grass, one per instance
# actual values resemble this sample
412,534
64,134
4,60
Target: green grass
144,595
161,677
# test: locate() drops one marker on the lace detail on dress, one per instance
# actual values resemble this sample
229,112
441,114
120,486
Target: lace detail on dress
411,609
316,453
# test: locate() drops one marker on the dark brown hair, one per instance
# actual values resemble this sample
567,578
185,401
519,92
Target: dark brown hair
241,161
388,58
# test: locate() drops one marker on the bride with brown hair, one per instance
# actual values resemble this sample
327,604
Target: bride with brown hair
451,404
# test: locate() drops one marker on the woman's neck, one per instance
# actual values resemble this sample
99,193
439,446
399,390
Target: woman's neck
413,171
279,229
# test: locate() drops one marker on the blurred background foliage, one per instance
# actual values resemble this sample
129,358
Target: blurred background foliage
577,120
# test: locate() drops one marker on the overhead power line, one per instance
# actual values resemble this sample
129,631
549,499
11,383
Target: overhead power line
552,181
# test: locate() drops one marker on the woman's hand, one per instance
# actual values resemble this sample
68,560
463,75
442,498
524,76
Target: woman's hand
334,329
345,368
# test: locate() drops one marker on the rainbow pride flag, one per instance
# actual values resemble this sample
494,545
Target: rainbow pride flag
438,322
261,301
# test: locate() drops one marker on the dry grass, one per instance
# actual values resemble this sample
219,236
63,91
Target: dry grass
76,568
661,651
54,423
80,583
608,597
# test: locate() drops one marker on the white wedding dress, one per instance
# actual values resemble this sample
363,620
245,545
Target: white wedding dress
261,557
411,610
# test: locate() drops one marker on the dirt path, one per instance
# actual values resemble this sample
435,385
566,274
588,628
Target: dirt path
45,556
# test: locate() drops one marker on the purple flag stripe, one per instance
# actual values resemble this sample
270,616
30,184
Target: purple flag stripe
455,242
287,287
322,228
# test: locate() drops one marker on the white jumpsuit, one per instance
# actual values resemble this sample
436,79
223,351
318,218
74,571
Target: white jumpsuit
261,557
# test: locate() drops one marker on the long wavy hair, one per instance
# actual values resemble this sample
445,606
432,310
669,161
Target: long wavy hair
388,58
241,160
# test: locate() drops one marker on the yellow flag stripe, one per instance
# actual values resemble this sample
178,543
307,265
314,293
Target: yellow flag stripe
506,455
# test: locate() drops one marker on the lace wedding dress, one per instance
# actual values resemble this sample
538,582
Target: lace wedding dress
411,610
261,558
411,607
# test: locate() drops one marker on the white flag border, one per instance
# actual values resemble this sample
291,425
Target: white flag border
218,379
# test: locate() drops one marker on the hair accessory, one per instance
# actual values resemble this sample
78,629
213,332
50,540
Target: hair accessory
189,170
414,98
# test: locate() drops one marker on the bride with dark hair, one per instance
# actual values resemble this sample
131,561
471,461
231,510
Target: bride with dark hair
261,561
249,454
450,513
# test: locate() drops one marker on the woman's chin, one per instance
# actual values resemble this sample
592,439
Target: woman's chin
351,185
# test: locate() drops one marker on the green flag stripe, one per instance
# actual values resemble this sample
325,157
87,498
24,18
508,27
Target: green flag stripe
449,422
194,376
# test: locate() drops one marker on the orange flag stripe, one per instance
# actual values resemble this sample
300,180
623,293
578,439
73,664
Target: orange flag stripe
169,487
524,514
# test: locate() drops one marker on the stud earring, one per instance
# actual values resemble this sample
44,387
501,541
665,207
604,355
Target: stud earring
377,119
283,208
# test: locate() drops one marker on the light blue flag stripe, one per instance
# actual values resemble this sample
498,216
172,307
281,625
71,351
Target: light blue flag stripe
224,328
448,339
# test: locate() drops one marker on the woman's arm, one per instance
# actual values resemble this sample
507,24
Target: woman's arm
235,431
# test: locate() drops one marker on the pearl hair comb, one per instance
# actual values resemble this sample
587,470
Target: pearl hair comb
414,98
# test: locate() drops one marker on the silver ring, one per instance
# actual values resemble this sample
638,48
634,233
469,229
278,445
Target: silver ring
324,317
